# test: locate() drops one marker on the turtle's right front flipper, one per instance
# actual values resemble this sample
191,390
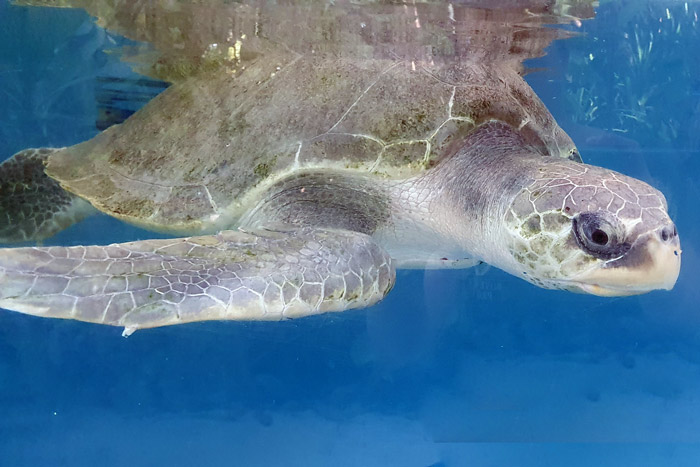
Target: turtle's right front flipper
33,206
230,276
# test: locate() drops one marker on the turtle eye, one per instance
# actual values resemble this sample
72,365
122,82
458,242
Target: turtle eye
600,235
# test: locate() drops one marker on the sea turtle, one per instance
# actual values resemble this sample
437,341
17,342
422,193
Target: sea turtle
307,179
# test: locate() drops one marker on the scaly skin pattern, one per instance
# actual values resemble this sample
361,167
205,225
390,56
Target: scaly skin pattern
539,221
32,205
264,275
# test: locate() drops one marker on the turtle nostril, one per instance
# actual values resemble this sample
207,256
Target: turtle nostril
668,232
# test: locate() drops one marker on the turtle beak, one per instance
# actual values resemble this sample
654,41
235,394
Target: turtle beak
653,262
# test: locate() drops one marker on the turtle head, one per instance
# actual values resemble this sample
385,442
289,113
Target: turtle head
586,229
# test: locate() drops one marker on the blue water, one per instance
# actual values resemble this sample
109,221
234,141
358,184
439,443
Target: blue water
470,367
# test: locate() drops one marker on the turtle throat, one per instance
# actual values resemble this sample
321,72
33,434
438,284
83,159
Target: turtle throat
462,201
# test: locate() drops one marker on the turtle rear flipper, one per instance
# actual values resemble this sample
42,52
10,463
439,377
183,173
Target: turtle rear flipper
266,275
33,206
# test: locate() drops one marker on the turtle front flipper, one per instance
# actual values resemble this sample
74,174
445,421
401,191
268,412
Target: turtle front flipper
265,275
33,206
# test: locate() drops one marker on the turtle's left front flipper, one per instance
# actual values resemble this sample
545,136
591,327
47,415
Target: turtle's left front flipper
33,206
266,275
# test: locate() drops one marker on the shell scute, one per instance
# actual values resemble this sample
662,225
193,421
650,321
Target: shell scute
194,159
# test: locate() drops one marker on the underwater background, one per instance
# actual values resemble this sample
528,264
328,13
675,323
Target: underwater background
465,367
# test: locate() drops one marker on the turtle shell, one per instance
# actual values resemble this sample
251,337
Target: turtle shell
201,153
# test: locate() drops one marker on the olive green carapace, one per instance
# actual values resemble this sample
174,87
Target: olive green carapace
196,155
